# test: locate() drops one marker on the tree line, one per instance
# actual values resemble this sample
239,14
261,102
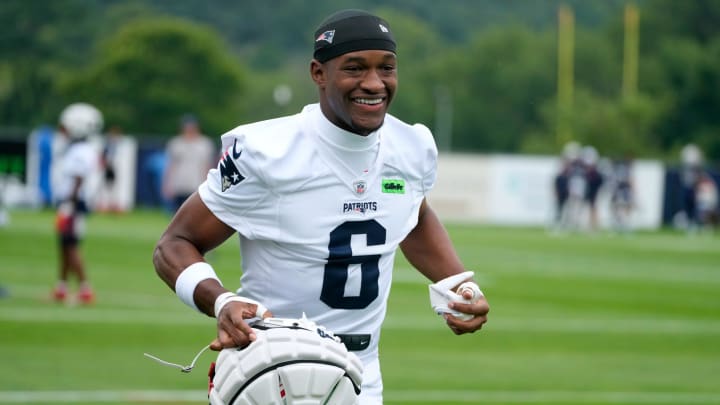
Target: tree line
482,75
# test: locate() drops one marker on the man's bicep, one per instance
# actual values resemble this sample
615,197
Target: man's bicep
411,240
428,247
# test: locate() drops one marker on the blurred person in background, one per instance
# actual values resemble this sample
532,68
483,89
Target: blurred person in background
108,195
78,161
6,173
707,202
189,157
594,181
690,171
570,152
699,192
4,214
622,199
575,181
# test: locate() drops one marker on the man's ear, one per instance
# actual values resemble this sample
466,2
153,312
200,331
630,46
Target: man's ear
317,73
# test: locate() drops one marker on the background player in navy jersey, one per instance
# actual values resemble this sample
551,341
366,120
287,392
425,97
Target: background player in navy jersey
321,201
594,181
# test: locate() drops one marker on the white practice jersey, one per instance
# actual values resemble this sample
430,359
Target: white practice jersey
79,160
320,212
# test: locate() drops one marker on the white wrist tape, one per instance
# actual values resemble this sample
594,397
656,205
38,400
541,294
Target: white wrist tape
188,280
441,294
224,298
220,302
473,288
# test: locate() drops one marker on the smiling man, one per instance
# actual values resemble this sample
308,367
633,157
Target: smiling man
321,201
355,68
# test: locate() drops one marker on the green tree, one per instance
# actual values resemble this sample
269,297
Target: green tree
418,46
695,20
154,70
691,83
496,85
680,55
599,116
39,41
598,62
615,127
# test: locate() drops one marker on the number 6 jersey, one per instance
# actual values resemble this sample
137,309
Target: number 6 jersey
320,213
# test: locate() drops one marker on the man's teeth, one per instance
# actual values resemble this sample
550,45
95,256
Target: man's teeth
370,101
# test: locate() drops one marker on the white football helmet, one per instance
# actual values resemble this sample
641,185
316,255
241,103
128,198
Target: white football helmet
571,150
589,155
292,362
691,155
81,120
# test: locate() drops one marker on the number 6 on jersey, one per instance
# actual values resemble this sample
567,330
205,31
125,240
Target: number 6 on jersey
341,257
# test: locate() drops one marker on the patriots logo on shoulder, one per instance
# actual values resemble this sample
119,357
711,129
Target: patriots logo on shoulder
229,174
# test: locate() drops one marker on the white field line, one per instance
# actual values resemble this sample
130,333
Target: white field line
408,275
556,397
396,396
416,322
106,316
163,299
78,397
571,325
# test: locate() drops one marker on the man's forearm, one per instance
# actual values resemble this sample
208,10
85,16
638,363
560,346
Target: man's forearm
172,257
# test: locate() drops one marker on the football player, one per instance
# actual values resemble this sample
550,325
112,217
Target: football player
321,201
77,162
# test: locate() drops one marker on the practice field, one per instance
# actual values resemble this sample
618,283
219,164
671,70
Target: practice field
581,319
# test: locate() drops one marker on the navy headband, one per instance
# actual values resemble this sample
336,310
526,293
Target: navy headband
350,31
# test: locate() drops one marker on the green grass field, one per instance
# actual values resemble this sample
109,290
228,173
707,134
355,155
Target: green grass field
582,319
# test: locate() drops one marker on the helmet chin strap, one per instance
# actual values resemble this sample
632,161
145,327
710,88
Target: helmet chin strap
184,369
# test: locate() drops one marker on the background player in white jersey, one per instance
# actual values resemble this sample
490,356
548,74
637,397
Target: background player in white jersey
78,161
321,201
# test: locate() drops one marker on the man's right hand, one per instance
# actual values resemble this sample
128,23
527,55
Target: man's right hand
233,331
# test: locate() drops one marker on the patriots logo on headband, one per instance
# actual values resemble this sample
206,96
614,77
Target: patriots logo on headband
326,36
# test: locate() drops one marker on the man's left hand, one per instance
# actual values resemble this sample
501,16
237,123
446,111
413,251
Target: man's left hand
479,309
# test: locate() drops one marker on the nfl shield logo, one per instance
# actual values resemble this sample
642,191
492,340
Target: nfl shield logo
359,187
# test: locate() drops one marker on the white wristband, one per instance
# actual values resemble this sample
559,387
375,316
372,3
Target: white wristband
221,300
224,298
188,280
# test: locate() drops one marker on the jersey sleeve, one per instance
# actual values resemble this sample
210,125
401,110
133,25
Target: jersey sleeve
235,191
430,157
